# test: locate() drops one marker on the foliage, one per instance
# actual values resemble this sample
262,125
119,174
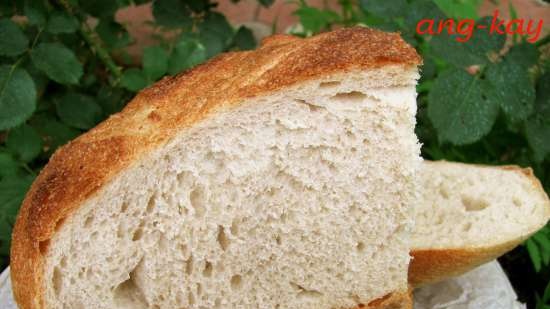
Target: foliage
63,69
61,74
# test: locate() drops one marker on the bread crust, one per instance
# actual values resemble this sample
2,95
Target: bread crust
399,300
433,265
81,168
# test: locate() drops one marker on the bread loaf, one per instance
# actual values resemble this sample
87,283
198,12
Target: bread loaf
470,214
277,178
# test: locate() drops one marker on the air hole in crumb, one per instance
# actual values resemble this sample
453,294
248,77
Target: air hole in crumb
217,303
444,192
59,223
43,246
63,261
312,107
350,97
124,207
57,280
191,299
329,84
120,231
517,202
138,233
199,289
222,238
183,249
209,156
467,227
473,204
197,199
207,272
278,239
89,221
150,204
128,294
360,246
189,265
304,293
236,282
234,228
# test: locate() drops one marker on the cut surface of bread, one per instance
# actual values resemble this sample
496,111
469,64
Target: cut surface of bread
278,178
470,214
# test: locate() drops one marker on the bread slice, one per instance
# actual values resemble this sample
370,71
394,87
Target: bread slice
470,214
276,178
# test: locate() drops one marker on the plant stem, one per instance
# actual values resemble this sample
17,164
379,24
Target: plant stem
101,52
91,39
28,169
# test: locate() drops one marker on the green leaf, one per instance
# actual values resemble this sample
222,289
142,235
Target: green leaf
215,33
266,3
12,40
17,96
61,22
57,62
525,54
186,54
386,8
422,9
475,50
155,62
544,243
459,109
113,34
546,295
78,110
24,142
55,133
172,13
512,88
314,20
12,192
36,12
5,236
537,131
111,100
459,9
537,127
534,254
100,8
8,165
133,80
199,6
244,39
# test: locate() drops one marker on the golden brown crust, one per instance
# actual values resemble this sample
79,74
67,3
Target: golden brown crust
432,265
401,300
79,169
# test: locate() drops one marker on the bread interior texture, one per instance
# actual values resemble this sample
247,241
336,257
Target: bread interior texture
300,198
470,206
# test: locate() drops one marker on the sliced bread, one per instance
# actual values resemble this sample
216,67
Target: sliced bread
470,214
277,178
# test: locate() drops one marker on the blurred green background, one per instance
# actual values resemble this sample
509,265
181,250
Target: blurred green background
67,65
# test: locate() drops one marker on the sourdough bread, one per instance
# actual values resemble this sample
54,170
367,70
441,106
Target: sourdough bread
471,214
276,178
